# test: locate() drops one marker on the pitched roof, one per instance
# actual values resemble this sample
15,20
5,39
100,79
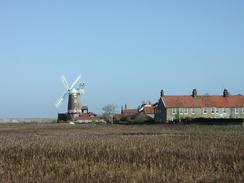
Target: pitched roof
149,109
129,111
203,101
89,116
84,107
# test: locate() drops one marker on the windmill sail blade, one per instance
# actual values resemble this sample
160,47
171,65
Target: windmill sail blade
82,88
60,100
75,82
66,85
82,91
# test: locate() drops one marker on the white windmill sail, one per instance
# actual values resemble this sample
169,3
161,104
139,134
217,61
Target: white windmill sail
75,82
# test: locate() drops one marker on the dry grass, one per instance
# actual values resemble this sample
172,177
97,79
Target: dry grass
157,153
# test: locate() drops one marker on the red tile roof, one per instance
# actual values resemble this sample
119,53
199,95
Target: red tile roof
149,110
204,101
129,111
87,117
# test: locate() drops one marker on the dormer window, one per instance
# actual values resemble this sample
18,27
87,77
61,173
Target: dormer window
205,110
213,110
237,110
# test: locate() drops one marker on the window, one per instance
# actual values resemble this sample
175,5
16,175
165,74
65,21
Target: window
217,110
243,110
237,110
213,110
225,111
205,110
173,110
193,111
186,110
181,110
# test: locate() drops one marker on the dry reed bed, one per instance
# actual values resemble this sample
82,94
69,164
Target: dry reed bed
157,153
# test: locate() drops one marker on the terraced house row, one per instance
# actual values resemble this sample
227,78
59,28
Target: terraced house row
170,108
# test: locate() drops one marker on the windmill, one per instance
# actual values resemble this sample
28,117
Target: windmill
73,92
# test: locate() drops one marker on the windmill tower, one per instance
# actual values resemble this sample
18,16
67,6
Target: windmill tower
73,93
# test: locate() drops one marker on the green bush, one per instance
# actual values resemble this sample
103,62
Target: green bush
142,118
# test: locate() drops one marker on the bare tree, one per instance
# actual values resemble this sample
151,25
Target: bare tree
109,111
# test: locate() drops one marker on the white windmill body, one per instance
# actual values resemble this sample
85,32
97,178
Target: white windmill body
73,93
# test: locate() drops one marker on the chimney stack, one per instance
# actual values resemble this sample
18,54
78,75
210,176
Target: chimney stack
125,107
194,93
161,93
226,93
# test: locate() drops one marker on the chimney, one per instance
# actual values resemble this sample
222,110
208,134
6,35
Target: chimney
161,93
125,107
194,93
122,110
226,93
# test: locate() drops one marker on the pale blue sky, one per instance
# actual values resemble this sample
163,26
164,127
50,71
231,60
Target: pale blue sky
125,50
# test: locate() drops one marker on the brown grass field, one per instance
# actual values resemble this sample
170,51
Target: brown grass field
120,153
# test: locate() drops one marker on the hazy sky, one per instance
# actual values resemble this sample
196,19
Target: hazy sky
126,51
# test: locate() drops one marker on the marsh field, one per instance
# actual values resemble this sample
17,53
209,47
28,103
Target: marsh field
121,153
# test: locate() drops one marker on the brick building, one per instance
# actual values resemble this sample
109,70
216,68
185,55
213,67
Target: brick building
128,112
170,108
147,109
